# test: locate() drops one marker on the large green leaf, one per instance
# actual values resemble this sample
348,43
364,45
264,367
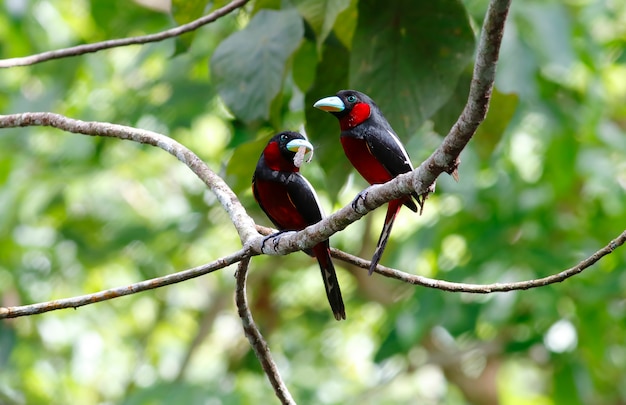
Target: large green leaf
407,55
304,65
248,67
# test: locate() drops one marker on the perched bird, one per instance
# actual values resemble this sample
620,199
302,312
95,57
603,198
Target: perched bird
374,150
291,203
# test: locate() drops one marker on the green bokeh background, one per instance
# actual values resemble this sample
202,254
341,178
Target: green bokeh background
542,186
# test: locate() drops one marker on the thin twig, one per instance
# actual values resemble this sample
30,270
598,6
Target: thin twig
483,288
75,302
260,347
98,46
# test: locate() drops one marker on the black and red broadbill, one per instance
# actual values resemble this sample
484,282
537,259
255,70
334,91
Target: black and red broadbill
291,203
374,150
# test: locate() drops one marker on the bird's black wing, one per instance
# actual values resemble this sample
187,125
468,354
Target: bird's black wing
385,145
304,198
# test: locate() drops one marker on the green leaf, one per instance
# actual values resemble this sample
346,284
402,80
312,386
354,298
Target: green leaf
408,56
259,5
345,24
248,67
321,15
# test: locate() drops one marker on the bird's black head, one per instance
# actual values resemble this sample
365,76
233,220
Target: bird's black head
351,107
281,150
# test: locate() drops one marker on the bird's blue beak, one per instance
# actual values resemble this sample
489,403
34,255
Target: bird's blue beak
296,144
330,104
302,147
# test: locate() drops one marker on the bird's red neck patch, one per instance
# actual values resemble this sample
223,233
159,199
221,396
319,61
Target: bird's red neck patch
359,113
275,159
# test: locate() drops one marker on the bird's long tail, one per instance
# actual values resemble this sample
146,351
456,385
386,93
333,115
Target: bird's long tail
331,284
392,212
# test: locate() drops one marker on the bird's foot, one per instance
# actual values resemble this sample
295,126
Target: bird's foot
275,239
358,204
421,199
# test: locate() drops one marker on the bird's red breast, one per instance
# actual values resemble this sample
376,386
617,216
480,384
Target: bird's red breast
364,161
278,205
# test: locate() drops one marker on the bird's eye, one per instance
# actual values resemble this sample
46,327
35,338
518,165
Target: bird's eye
283,137
351,99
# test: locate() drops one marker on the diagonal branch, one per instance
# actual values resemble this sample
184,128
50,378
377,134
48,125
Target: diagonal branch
75,302
261,349
98,46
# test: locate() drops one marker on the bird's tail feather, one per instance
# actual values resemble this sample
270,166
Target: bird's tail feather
392,212
331,284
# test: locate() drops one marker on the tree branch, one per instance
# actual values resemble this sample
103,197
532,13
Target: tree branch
98,46
75,302
483,288
444,158
261,349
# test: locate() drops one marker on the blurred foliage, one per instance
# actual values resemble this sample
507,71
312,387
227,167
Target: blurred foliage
542,186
